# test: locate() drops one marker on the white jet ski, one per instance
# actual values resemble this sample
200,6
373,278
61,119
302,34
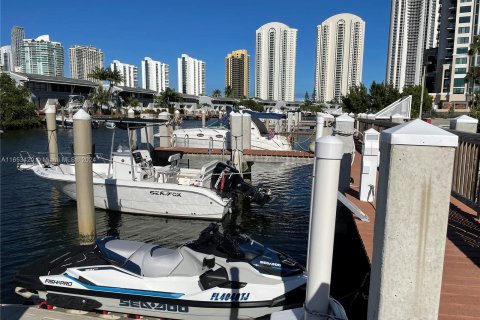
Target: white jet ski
214,277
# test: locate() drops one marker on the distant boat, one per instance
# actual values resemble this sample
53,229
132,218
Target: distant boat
110,125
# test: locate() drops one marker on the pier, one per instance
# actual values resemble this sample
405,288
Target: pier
461,271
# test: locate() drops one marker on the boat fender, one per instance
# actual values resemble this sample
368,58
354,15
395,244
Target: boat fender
209,261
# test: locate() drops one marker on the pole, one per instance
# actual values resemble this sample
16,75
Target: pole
50,115
82,146
203,118
421,97
328,154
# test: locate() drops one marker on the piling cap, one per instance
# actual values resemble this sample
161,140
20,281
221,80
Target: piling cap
418,133
344,118
246,115
50,109
464,119
177,112
130,110
329,147
81,115
397,116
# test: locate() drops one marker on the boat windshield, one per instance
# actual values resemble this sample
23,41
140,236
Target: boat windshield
222,123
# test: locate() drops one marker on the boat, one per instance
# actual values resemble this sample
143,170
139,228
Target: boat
217,276
74,103
129,182
110,125
217,135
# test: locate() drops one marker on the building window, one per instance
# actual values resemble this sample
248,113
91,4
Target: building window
459,82
463,40
464,19
461,61
462,1
462,50
460,70
458,90
465,9
464,30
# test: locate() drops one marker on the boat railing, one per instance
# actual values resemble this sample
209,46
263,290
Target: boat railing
174,140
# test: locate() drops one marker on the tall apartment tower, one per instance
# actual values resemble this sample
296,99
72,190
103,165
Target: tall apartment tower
42,56
458,26
413,28
155,75
275,62
17,36
83,60
6,62
129,73
237,66
191,76
339,56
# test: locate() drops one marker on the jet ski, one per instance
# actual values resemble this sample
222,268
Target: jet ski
217,276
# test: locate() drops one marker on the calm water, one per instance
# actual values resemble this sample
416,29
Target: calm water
37,219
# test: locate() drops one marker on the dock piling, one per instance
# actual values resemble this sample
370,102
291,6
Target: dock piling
50,115
82,146
411,220
328,154
344,128
203,118
132,133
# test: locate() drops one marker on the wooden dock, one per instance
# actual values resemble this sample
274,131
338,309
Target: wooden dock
460,296
293,156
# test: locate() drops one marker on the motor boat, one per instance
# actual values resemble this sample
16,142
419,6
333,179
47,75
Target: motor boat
217,135
74,103
217,276
129,182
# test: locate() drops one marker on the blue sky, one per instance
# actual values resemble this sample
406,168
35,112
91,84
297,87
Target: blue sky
207,30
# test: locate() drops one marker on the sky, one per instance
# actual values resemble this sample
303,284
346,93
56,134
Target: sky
207,30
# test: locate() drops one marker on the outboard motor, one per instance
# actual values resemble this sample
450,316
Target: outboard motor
227,181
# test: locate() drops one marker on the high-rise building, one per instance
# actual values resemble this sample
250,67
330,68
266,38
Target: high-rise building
6,62
129,73
17,36
237,66
413,28
191,75
275,62
458,26
42,56
339,56
155,75
83,60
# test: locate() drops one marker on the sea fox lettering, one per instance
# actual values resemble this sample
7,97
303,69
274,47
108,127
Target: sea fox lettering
165,193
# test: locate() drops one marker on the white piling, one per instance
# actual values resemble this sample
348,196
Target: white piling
464,123
396,118
203,118
82,146
328,154
411,221
236,139
50,115
289,121
344,129
370,153
132,134
247,131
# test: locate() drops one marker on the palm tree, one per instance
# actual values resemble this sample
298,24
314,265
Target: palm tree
216,93
106,74
99,97
228,92
166,97
472,75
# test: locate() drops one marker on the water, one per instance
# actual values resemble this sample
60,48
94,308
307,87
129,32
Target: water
37,219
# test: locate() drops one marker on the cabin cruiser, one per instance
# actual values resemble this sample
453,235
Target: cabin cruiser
217,276
217,135
129,182
74,103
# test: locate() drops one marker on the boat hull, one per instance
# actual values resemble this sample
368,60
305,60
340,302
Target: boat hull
150,200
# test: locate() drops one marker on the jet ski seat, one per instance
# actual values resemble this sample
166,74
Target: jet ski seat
143,259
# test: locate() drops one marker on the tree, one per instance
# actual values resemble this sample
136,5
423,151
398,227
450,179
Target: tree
416,92
112,76
228,92
314,95
16,109
357,100
382,95
98,98
131,101
307,97
251,104
166,97
216,93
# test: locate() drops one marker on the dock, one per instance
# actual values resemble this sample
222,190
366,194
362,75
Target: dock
461,271
297,157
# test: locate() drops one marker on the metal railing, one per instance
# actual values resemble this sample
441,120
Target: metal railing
466,168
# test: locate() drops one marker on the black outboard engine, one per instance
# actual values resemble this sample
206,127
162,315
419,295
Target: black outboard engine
227,181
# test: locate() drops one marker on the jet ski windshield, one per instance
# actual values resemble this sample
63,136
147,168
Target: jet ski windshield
240,248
